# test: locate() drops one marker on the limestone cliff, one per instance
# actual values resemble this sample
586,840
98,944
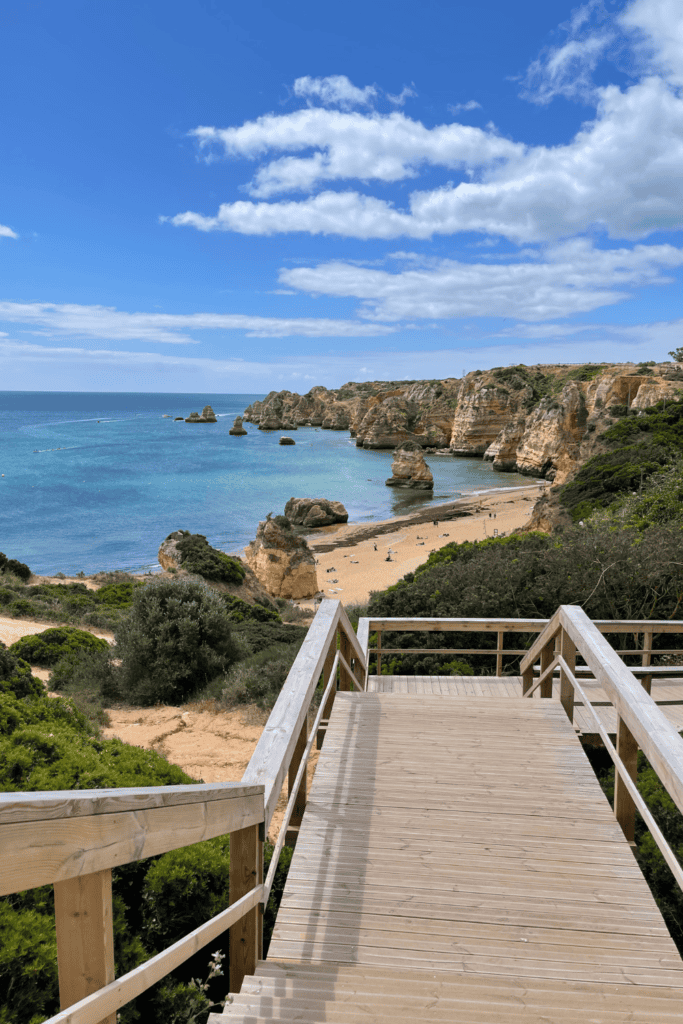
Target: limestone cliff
540,420
313,512
282,562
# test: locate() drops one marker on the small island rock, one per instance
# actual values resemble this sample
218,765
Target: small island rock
313,512
282,562
409,468
207,416
237,430
287,440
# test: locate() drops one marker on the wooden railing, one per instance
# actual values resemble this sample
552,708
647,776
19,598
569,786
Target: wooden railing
640,723
645,629
73,839
331,647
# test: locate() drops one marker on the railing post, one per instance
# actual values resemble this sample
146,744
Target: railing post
345,648
245,873
499,653
547,657
568,652
300,805
646,681
624,807
85,937
327,669
379,652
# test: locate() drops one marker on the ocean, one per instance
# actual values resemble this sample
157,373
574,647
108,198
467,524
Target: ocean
96,481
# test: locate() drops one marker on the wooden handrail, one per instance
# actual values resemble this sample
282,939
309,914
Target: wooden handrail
51,837
273,755
654,734
551,630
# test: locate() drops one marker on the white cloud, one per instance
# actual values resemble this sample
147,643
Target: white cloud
104,322
27,366
381,147
6,232
621,172
659,26
406,93
335,90
572,278
470,105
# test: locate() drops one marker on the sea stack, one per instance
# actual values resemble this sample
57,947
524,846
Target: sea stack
287,440
409,468
237,430
207,416
282,561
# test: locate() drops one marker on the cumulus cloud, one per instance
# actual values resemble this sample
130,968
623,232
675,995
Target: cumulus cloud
6,232
399,99
104,322
381,147
620,172
572,278
658,27
335,91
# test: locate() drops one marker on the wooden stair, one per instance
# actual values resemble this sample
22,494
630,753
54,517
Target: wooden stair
458,861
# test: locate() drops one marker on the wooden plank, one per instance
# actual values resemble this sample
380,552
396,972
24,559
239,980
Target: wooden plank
85,937
68,847
245,871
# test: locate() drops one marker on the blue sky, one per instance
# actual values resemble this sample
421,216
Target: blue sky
239,197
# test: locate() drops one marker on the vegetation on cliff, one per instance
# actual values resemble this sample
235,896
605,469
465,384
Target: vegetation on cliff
199,558
637,446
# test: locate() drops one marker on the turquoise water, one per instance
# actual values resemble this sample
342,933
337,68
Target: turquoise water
96,481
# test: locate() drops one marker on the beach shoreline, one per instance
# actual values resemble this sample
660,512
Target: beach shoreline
355,559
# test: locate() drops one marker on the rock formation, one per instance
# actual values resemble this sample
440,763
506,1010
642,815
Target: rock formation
286,440
169,556
409,468
540,420
237,429
207,416
282,561
250,589
311,512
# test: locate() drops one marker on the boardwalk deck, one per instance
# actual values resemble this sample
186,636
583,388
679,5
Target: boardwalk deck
458,861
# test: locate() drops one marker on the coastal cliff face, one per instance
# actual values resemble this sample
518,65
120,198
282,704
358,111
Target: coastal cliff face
282,562
541,421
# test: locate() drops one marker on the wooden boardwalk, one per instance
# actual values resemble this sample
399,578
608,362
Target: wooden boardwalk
458,861
667,693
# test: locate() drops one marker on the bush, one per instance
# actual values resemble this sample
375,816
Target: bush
259,679
198,557
15,676
256,636
19,569
48,647
241,611
175,639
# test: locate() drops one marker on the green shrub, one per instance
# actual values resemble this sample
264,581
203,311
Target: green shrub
241,611
176,638
15,676
256,636
19,569
28,965
48,647
198,557
259,679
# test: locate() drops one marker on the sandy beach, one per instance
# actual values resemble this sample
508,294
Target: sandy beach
353,560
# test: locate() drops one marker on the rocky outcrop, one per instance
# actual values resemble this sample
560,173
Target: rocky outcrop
409,468
541,421
169,556
286,440
282,561
237,430
207,416
312,512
